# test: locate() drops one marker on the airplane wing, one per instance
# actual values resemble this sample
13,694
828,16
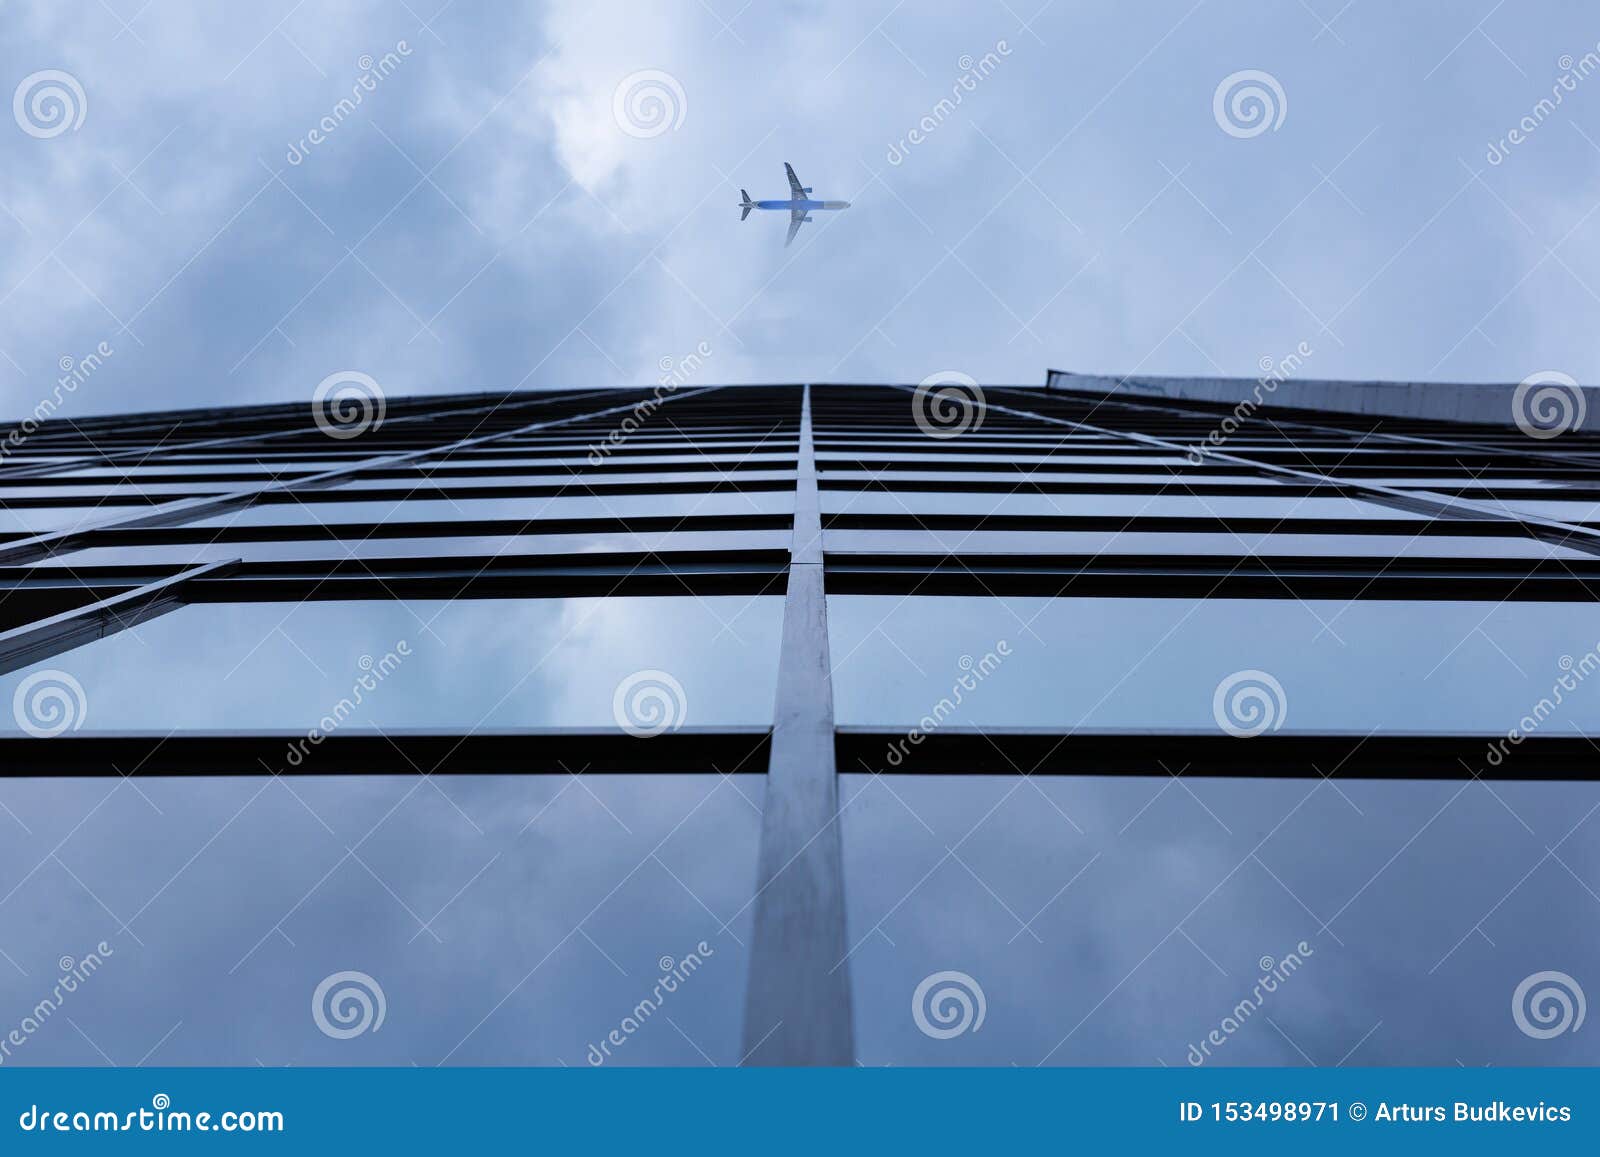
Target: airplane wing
797,218
795,188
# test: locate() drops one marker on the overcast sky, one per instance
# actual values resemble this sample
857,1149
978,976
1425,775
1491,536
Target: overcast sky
482,221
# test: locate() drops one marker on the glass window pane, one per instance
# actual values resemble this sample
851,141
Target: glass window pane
1179,505
41,519
709,458
223,465
704,477
1044,476
1021,456
1142,664
1563,511
170,491
507,920
485,546
1122,921
439,665
1125,542
391,509
1463,482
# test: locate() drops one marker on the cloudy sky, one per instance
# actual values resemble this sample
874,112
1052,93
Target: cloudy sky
481,220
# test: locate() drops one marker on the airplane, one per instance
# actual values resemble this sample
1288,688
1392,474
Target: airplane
798,205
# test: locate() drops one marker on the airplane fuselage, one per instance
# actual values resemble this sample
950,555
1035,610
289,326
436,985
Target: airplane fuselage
799,205
803,206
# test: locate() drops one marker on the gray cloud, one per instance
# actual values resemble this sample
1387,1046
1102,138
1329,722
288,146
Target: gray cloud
1079,208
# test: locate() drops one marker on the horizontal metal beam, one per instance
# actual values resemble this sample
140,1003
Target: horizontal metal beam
1195,483
1026,484
1276,755
949,751
448,528
750,572
1109,575
365,752
1169,524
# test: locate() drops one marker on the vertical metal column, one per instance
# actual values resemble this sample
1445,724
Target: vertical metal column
797,1008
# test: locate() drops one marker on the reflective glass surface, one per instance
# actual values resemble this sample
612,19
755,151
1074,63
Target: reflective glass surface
1043,474
388,508
683,477
169,490
1124,922
1176,504
1568,510
482,546
1235,543
506,920
1142,664
440,665
578,460
220,465
41,519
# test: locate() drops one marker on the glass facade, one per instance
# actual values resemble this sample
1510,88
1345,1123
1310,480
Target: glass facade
506,919
431,664
804,725
1366,665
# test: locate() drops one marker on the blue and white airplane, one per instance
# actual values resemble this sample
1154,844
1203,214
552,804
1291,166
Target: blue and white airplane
798,204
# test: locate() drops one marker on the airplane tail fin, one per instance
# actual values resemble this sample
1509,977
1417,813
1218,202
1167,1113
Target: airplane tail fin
745,204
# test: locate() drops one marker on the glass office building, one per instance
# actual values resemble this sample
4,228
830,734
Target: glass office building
1109,722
